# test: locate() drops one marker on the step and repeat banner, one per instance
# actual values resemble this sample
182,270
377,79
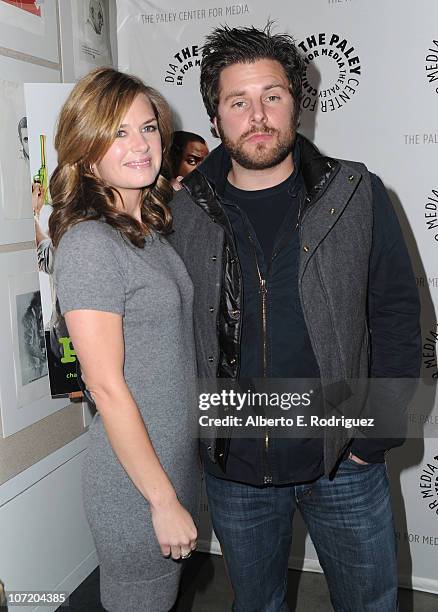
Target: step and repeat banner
371,94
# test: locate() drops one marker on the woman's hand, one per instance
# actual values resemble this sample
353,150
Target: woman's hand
175,530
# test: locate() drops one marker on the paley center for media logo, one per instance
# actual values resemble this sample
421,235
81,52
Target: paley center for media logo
431,214
183,61
429,484
430,338
431,64
332,73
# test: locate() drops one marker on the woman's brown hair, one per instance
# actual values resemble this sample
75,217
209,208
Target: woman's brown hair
87,126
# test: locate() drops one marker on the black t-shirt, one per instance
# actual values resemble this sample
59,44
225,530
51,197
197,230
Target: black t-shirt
265,209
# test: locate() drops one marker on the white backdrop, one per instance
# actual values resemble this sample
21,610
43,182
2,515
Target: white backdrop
371,95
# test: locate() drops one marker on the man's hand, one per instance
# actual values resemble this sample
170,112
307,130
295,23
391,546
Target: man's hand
356,459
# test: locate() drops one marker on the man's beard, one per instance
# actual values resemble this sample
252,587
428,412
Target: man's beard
262,156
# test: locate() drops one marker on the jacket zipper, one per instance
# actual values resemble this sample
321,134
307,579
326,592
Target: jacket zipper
267,478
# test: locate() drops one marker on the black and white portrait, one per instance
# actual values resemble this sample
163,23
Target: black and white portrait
24,382
23,137
96,18
15,196
32,349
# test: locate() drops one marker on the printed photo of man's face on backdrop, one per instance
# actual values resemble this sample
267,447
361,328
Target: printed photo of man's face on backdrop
15,178
23,137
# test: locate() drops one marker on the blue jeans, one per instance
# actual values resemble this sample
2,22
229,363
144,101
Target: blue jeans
349,520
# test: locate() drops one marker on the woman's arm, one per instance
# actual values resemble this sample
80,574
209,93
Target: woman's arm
98,340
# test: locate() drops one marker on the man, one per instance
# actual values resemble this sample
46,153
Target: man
24,139
188,150
300,272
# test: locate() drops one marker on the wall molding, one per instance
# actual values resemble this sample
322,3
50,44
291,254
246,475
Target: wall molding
17,246
30,59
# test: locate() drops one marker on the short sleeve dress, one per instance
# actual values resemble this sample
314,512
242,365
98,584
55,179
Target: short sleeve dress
97,268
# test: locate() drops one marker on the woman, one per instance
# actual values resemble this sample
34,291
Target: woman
127,301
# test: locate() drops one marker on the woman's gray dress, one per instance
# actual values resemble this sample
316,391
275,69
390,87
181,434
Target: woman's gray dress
95,268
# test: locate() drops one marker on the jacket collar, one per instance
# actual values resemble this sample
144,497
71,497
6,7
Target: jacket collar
316,168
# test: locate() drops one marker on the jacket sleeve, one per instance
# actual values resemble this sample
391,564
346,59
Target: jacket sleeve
394,324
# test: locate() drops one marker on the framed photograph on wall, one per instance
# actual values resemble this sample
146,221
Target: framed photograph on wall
91,39
30,27
24,385
30,6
